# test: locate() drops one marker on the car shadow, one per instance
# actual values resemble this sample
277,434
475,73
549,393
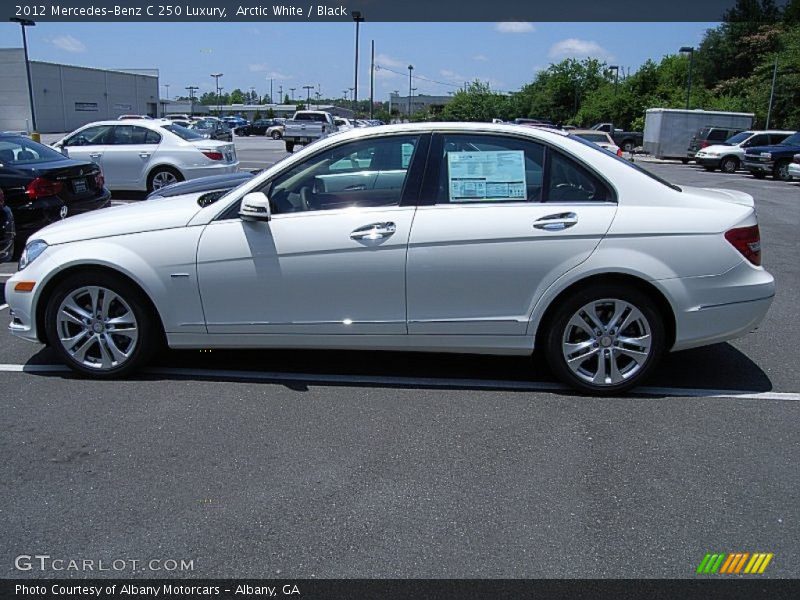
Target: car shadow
718,367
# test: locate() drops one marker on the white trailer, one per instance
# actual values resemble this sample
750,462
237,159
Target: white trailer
668,131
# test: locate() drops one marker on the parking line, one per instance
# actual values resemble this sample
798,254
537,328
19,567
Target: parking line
487,384
6,275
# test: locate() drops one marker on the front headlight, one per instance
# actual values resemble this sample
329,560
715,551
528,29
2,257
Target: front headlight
766,155
32,251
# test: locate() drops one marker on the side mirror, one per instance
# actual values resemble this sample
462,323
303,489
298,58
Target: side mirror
255,207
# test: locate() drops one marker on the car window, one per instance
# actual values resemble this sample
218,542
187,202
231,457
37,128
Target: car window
792,140
487,168
718,135
127,135
594,137
320,118
184,133
369,172
91,136
22,151
572,182
738,138
762,139
776,138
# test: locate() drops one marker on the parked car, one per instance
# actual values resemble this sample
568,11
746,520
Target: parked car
234,123
8,231
307,126
728,155
390,238
601,138
627,140
258,127
148,154
133,117
343,124
210,184
213,130
708,136
794,168
276,131
774,159
41,186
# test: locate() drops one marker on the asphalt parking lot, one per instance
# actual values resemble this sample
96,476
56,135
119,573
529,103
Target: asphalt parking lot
342,464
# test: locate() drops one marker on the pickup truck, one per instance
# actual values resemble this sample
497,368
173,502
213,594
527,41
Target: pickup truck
774,160
627,140
307,126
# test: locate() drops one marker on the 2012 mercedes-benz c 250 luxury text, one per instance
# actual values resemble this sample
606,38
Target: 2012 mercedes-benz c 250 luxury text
470,238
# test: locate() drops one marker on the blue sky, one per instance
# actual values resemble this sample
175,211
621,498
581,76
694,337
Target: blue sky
507,55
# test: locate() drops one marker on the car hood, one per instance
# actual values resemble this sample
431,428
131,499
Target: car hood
719,148
774,148
122,220
732,196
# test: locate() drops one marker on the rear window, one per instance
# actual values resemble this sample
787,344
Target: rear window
310,117
792,140
183,133
718,135
22,151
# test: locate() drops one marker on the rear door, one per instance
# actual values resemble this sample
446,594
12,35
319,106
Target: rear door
127,158
500,219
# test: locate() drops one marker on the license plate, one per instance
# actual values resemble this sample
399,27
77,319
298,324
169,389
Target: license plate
79,185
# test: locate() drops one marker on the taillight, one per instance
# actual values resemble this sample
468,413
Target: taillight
99,180
747,240
705,144
619,152
41,188
212,155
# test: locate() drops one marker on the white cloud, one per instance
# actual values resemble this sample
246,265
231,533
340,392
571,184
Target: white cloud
68,43
575,48
264,68
384,62
480,58
452,75
514,27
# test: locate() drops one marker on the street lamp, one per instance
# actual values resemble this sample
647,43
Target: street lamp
358,18
292,90
166,85
216,77
308,89
615,68
410,68
690,51
23,23
192,89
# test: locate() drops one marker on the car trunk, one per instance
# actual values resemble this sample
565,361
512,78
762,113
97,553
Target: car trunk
228,151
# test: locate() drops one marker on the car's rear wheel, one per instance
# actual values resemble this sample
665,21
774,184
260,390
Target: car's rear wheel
729,164
289,146
628,146
275,135
605,339
162,177
100,325
782,171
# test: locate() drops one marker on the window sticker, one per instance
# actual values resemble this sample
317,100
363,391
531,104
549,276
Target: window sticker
407,150
481,176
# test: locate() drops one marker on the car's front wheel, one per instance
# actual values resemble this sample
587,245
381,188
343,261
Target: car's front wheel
275,135
729,164
100,325
782,171
605,339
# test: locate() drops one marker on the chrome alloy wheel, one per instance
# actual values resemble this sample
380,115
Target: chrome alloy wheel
97,328
606,342
163,179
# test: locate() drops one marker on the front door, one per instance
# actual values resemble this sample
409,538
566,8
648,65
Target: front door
332,259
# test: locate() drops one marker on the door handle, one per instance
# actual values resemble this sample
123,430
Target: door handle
557,222
355,188
374,231
144,154
98,155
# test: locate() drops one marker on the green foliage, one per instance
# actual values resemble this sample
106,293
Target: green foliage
476,103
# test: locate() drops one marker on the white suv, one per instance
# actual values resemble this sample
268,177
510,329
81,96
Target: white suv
148,154
728,156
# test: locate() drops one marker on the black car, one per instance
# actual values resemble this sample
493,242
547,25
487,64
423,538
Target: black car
7,230
216,184
214,130
774,159
42,186
257,127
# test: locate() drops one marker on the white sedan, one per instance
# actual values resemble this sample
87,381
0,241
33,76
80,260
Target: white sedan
472,238
147,154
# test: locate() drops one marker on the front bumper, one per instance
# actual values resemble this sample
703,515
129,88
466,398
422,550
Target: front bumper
759,166
708,161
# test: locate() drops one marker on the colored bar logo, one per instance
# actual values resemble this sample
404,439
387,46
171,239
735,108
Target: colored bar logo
734,563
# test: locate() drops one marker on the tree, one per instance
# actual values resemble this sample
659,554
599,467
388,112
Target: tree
476,103
237,97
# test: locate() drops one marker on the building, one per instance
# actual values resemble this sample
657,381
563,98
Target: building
420,103
66,97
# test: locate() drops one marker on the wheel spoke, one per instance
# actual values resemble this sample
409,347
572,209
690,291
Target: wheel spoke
580,323
571,349
615,374
94,295
108,299
105,356
70,342
118,354
641,342
638,357
68,316
71,305
80,353
600,375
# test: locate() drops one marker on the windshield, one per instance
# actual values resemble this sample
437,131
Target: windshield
20,150
633,166
738,138
792,140
183,133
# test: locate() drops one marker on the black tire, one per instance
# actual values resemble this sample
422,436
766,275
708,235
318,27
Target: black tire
158,170
709,168
628,145
275,135
289,146
149,338
781,170
557,328
757,174
729,164
685,161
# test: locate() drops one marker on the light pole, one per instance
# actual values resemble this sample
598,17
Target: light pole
280,93
166,85
690,51
358,18
270,91
345,95
372,83
410,69
292,90
23,23
615,68
308,89
192,89
216,77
